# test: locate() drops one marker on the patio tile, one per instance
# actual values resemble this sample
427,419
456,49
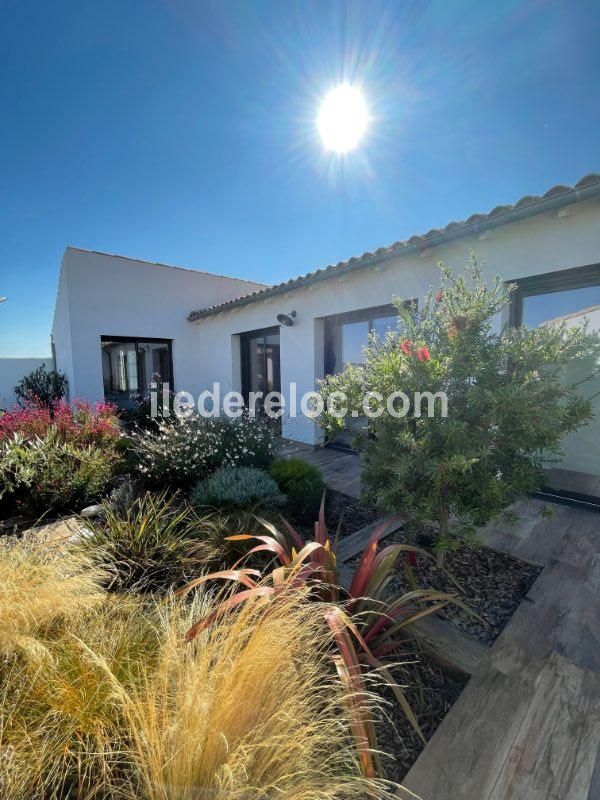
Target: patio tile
527,726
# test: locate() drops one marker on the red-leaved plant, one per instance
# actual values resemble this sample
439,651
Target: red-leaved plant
80,423
367,619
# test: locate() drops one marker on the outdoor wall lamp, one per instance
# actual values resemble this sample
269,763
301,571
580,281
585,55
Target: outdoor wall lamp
287,319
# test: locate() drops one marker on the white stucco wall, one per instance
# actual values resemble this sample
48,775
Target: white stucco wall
105,295
11,372
534,246
61,330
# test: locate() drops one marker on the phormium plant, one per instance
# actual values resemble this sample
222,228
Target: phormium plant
367,620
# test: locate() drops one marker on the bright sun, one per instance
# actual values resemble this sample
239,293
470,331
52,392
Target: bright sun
343,118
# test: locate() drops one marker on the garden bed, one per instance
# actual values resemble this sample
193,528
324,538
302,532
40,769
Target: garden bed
348,512
431,694
493,583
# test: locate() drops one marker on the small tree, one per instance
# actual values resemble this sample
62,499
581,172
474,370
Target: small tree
42,387
509,406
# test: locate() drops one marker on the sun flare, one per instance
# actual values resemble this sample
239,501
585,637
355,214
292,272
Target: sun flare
343,118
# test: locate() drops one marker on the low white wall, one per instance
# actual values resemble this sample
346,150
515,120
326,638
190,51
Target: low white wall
534,246
11,372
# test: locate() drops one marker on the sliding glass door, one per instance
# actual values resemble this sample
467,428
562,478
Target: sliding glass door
261,372
572,296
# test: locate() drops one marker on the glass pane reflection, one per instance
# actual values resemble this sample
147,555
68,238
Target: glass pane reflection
579,471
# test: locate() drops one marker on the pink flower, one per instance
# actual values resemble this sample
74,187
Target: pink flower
80,424
423,354
406,346
438,296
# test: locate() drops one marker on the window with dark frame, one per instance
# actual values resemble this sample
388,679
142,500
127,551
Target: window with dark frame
571,296
566,280
346,334
130,364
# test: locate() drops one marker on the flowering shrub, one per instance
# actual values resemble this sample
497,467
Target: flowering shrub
509,406
181,451
81,423
140,414
58,459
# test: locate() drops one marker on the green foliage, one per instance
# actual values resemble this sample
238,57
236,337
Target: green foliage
153,544
140,414
182,450
47,473
301,482
236,487
509,405
369,621
42,387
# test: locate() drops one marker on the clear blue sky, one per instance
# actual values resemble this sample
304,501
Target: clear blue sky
183,131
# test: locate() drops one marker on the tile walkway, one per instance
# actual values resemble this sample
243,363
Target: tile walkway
527,726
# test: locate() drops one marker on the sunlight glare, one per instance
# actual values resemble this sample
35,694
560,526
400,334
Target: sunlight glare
343,118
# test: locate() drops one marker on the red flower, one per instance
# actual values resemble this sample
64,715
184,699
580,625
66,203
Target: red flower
406,346
411,558
438,296
423,354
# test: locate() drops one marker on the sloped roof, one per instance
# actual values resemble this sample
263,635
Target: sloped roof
584,312
556,197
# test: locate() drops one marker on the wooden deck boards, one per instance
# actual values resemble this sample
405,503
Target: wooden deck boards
527,726
341,469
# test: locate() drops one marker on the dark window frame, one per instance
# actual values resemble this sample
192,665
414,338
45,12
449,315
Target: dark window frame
548,283
245,338
359,315
137,340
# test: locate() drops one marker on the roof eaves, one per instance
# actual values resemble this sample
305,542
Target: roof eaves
556,197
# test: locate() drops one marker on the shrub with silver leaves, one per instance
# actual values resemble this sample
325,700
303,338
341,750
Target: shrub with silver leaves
237,487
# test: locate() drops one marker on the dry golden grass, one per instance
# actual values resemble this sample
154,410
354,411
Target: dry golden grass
107,701
41,584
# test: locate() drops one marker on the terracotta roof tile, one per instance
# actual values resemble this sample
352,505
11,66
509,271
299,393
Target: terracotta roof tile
535,204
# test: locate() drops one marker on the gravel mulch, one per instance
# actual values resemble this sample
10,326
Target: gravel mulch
430,692
493,583
353,515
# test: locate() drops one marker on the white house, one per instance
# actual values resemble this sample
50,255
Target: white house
118,321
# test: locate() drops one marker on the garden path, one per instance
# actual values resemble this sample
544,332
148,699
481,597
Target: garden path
527,725
340,468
